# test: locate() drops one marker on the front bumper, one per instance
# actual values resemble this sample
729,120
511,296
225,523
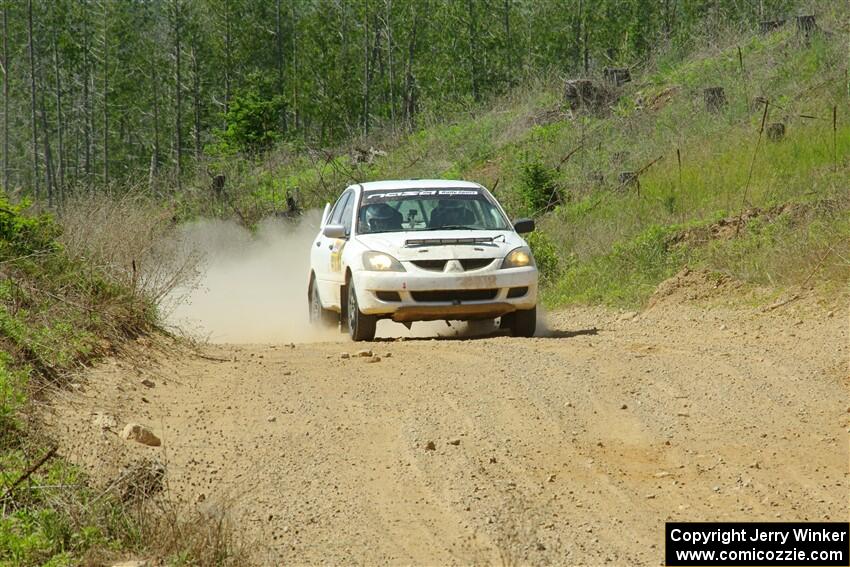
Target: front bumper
429,296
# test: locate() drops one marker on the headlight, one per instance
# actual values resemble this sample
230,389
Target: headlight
381,262
518,258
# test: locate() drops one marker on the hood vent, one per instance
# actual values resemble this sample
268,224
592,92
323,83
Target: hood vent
412,243
468,264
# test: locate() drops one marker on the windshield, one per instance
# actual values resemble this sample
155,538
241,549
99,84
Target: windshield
428,209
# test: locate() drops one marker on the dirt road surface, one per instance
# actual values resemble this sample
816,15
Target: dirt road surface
571,448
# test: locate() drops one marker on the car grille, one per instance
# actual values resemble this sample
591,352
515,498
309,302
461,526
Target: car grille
433,265
476,263
452,295
468,264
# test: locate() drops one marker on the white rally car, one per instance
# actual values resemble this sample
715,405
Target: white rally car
421,250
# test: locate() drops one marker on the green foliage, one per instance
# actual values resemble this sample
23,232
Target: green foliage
13,383
545,255
54,314
253,120
23,234
626,276
537,186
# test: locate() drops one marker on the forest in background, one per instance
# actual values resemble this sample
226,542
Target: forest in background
102,93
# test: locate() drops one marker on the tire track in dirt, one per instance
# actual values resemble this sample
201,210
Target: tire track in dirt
571,448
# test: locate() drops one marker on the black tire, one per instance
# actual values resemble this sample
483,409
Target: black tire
361,327
319,316
522,323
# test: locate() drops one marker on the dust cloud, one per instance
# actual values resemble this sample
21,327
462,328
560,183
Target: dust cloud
252,287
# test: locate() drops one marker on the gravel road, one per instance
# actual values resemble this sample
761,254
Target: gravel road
570,448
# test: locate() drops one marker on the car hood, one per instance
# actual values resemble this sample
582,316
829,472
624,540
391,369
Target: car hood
443,244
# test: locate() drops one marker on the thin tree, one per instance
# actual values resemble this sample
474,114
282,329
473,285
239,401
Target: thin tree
366,70
5,98
196,99
178,116
35,179
48,158
389,31
509,47
59,118
279,56
472,31
227,56
105,40
409,79
88,120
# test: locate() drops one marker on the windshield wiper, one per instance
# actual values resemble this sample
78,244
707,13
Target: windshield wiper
456,227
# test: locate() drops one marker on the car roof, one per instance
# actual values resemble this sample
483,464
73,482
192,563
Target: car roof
417,184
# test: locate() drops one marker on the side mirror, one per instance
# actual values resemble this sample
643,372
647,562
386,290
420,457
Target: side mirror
524,226
334,231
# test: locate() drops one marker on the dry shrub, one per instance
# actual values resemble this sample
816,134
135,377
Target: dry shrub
204,534
132,240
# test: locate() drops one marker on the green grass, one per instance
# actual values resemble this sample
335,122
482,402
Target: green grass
711,165
55,314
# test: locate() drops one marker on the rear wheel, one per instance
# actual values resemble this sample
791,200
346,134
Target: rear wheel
521,323
361,327
319,316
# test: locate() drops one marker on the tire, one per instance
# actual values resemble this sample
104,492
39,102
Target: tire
319,316
361,327
521,323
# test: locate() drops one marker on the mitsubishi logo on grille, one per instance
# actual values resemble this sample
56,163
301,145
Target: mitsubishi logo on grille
454,266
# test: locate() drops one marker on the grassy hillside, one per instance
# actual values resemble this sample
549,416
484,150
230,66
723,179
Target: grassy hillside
62,307
700,171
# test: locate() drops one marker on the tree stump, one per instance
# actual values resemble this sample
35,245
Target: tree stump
617,76
715,98
628,179
619,158
596,177
776,131
583,94
806,26
768,26
218,185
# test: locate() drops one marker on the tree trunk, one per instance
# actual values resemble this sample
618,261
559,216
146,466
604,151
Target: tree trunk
578,45
156,149
227,57
105,93
509,52
366,73
35,179
5,99
60,121
388,23
87,113
410,81
279,46
472,31
196,95
48,160
178,117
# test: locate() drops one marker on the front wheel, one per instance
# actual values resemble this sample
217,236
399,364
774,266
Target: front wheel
361,327
521,323
319,316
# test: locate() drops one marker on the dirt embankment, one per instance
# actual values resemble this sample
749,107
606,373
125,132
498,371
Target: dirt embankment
571,448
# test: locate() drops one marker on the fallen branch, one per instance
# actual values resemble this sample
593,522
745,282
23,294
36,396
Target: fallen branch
213,358
29,472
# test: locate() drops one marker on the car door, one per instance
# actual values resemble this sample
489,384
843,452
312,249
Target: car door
322,252
337,265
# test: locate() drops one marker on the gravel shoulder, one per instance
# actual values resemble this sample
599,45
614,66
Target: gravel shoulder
571,448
